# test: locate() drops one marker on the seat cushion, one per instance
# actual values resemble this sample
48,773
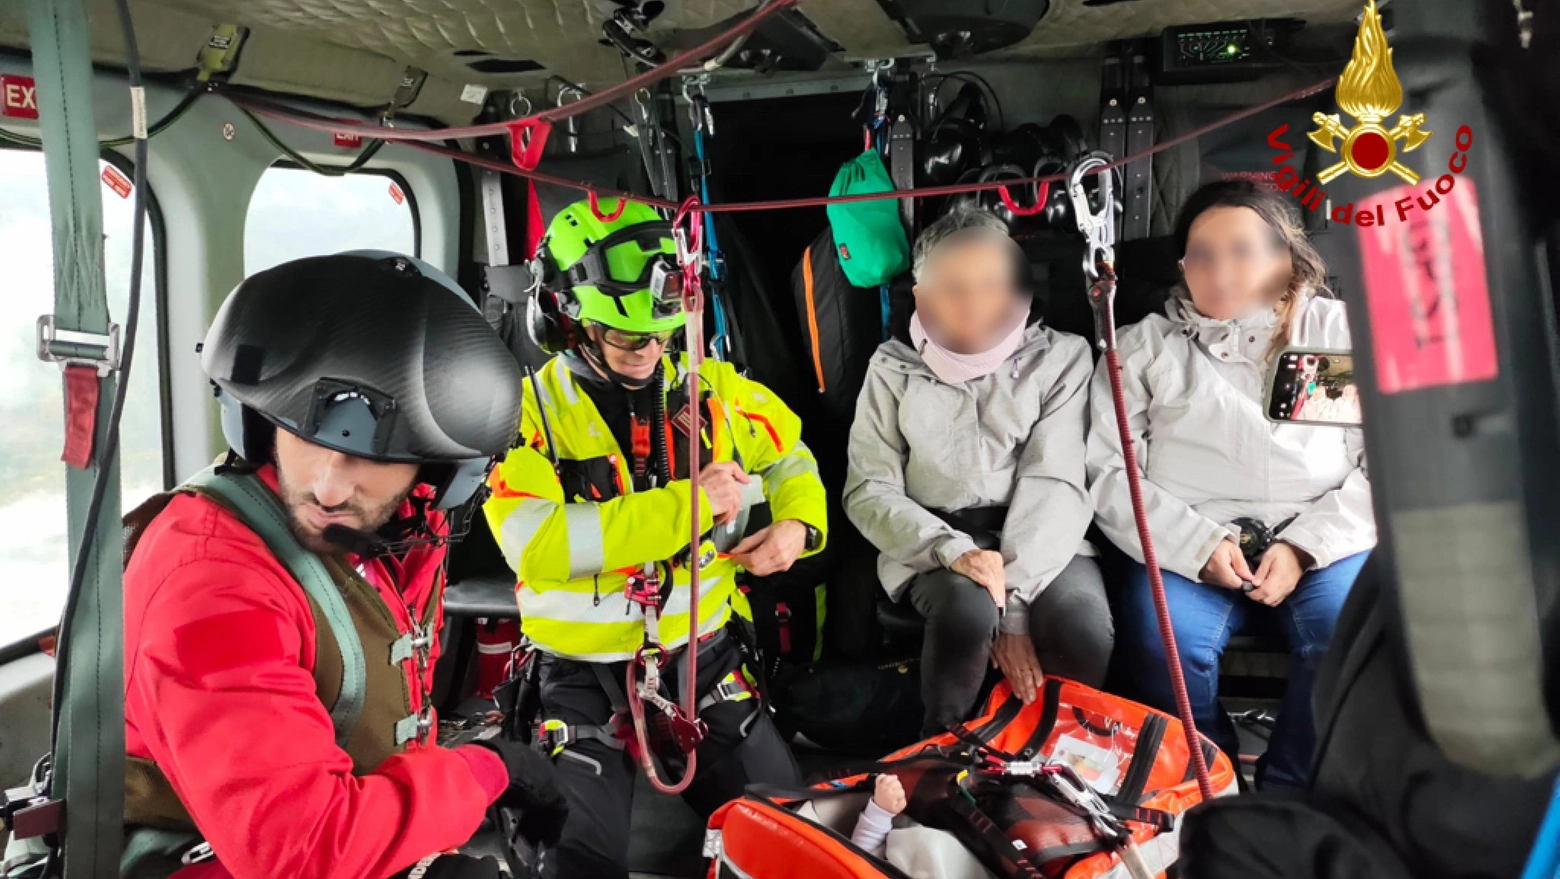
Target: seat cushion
899,620
487,595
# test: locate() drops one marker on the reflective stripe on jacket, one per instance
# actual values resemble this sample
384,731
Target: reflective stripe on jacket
572,554
1194,392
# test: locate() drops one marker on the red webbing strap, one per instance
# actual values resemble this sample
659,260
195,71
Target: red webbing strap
81,405
1104,292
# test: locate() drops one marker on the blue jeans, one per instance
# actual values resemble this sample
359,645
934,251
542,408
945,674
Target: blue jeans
1204,617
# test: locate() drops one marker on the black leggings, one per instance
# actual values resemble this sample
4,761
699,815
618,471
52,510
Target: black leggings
1070,623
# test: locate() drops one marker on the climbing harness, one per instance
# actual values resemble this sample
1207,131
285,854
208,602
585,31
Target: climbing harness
647,588
1099,266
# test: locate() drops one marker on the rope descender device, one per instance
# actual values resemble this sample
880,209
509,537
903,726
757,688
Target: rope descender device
646,588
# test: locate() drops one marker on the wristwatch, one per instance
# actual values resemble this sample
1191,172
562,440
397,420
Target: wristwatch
814,538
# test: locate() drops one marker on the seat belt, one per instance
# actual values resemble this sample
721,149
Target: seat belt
89,747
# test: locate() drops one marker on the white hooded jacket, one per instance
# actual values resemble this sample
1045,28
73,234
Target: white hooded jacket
1014,438
1194,394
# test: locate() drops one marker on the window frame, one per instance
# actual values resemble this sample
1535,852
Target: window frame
34,643
391,174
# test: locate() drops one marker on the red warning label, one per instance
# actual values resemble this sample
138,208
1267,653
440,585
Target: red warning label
397,194
1428,295
349,141
116,180
18,97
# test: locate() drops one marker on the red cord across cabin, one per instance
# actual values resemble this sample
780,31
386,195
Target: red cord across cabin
426,141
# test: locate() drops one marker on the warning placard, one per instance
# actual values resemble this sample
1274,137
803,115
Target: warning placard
1428,295
116,180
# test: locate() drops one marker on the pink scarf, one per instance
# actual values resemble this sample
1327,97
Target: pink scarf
954,368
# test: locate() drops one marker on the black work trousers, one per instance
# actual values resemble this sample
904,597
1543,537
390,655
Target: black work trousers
1069,622
742,747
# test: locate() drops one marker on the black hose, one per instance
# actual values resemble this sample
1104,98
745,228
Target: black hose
369,149
658,424
153,130
110,446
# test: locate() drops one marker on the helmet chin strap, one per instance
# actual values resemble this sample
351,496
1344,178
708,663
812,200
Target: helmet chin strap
591,351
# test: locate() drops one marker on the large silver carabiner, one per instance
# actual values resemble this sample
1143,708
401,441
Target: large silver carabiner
1098,226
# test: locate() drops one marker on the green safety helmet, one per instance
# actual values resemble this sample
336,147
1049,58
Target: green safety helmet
621,273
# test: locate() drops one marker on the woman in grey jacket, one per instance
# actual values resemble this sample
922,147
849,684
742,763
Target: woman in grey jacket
967,474
1193,380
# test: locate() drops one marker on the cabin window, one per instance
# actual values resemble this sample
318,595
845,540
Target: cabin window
34,574
295,213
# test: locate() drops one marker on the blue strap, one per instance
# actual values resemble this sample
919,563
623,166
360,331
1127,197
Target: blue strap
720,343
1544,863
884,305
260,510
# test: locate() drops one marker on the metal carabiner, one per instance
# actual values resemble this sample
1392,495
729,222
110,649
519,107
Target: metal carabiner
1098,227
1076,791
515,101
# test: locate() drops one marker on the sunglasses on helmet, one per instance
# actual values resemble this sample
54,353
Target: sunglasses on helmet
659,274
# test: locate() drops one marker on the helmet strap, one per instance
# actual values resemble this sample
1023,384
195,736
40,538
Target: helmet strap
591,351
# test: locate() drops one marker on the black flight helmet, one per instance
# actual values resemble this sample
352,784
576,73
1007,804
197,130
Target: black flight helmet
372,354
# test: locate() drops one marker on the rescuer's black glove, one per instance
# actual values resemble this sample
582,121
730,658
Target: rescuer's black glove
533,790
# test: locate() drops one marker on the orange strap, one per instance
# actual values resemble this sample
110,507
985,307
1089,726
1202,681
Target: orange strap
812,315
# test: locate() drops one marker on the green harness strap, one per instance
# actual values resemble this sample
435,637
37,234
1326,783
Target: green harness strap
89,749
259,509
151,852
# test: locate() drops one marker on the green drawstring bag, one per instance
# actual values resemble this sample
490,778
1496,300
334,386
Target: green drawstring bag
868,236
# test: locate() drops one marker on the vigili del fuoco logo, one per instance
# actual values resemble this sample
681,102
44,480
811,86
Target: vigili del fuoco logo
1368,91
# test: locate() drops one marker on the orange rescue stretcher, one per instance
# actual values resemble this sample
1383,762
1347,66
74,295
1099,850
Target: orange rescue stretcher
1078,784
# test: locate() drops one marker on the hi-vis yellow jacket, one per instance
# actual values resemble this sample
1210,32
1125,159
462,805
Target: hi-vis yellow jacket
573,539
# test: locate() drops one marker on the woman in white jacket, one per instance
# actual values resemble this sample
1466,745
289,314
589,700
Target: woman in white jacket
1194,383
967,475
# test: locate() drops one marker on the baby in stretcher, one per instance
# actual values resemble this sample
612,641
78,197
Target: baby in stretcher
920,852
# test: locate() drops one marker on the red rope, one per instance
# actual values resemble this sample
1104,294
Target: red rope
418,140
690,246
319,122
1183,702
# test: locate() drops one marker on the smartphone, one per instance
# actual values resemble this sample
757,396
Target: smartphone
1313,386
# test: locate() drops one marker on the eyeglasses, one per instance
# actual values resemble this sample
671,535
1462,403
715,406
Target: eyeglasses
623,340
1199,261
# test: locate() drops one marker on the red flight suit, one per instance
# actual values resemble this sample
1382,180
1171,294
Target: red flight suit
220,693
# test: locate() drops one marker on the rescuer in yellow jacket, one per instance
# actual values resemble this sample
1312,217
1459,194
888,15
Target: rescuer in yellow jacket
592,510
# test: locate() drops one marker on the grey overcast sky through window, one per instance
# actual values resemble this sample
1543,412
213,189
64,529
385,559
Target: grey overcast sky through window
295,213
33,570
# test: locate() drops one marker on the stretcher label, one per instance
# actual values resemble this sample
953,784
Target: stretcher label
1094,764
1429,297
